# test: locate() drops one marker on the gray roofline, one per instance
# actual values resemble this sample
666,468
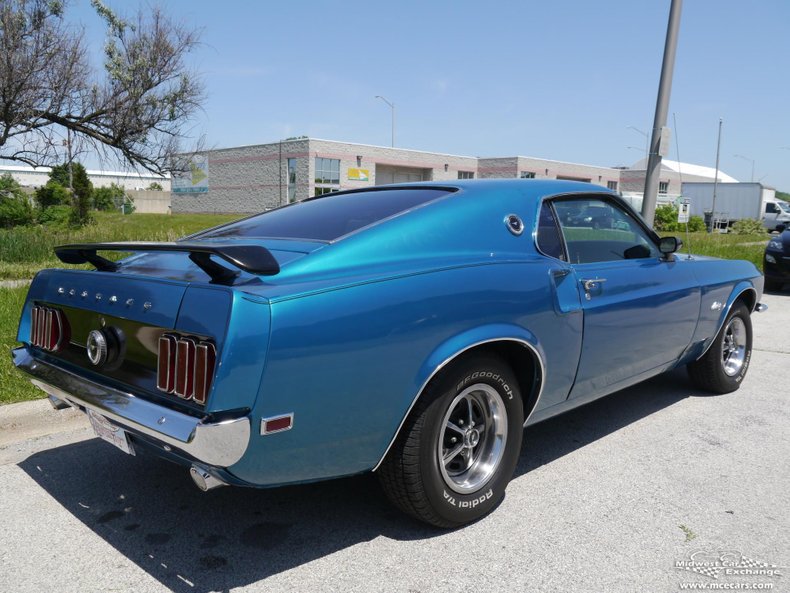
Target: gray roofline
537,158
45,170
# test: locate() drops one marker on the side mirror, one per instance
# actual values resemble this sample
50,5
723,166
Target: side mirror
669,245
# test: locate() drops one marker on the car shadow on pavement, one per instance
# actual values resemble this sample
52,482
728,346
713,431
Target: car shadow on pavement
151,512
563,434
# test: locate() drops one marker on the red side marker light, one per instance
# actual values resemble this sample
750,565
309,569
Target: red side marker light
276,424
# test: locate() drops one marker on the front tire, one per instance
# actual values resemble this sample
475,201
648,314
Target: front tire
458,449
724,365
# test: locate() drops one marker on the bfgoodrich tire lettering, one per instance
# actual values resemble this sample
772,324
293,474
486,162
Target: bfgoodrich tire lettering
724,365
457,450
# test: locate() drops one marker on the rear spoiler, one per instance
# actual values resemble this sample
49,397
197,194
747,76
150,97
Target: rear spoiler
254,259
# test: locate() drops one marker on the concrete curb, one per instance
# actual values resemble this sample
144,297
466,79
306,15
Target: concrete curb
26,420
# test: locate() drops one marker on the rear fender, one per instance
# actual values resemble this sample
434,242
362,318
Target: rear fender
243,355
456,346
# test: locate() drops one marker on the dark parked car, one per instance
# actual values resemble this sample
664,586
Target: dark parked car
776,261
411,331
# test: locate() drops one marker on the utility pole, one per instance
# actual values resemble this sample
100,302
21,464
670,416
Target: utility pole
660,120
715,180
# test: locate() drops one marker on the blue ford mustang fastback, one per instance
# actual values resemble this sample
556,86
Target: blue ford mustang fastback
408,330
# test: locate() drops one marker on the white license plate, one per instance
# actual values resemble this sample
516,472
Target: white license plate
109,432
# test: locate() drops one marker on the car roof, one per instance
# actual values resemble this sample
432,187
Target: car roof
536,187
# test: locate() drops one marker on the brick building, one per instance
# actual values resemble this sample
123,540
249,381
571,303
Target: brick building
259,177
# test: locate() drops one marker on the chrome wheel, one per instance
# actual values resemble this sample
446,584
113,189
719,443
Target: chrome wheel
472,438
733,347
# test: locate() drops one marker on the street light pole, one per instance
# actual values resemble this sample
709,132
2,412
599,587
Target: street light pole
715,180
392,107
746,158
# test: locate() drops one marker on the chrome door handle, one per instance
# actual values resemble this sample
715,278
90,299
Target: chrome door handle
592,283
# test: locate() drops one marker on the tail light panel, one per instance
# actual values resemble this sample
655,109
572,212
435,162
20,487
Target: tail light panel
49,328
185,367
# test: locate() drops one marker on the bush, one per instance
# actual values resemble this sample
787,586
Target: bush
54,215
665,216
154,186
666,221
108,198
747,226
53,194
15,212
696,224
15,208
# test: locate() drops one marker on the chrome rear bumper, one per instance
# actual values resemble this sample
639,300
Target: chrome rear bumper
220,444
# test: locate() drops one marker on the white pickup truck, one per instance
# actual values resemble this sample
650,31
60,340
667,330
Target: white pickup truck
776,216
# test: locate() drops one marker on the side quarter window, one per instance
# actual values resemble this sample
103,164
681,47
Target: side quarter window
597,230
549,239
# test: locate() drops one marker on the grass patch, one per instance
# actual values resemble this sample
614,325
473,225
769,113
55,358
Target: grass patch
25,250
14,386
726,246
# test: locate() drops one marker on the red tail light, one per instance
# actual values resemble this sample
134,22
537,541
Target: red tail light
166,364
49,328
205,358
185,367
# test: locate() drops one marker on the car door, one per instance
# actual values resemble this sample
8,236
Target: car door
640,309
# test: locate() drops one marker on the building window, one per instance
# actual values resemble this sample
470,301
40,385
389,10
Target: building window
327,175
663,187
466,175
291,180
527,175
320,191
611,185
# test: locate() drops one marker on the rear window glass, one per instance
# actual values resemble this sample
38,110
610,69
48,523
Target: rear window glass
328,217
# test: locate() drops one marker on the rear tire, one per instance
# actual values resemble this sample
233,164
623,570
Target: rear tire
724,365
457,450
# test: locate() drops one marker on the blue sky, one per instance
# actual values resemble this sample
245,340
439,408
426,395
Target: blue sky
560,80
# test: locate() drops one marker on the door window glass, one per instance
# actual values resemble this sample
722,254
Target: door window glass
596,230
549,240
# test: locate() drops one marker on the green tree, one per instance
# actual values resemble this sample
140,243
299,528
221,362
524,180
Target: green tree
154,186
15,208
138,105
83,189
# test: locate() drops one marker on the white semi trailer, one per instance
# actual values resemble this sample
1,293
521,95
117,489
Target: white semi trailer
736,201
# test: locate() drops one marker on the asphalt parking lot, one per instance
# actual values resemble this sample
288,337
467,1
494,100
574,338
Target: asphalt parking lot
610,497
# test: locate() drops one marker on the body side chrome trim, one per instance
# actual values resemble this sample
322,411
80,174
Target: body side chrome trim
218,444
447,361
724,318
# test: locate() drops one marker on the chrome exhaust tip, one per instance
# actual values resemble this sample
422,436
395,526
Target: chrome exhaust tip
204,479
